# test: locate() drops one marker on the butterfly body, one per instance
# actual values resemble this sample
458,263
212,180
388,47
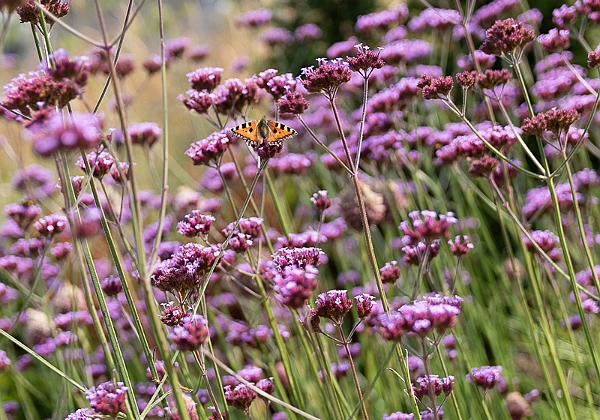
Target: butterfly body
263,131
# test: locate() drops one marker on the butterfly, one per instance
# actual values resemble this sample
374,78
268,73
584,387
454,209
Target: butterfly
263,131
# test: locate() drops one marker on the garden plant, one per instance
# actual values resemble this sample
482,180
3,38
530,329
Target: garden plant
266,222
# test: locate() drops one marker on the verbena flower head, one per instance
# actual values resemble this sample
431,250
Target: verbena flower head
35,181
276,85
364,304
556,40
184,270
466,62
233,96
240,397
292,103
51,225
36,93
195,224
300,257
79,130
406,51
176,47
438,386
210,149
460,245
327,77
100,163
111,285
255,18
190,334
205,78
29,12
320,200
248,230
107,399
342,48
76,70
593,59
198,52
484,167
426,225
145,133
334,305
22,213
505,36
492,78
547,241
438,19
277,36
366,60
172,315
564,16
308,32
390,272
554,120
201,102
295,285
266,385
435,87
426,315
486,377
382,20
81,414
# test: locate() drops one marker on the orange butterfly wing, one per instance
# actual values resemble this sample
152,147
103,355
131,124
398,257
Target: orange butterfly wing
246,131
280,132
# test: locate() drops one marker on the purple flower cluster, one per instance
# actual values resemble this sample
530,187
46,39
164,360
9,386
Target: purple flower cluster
240,397
255,18
190,334
437,385
426,225
435,87
504,37
182,272
437,19
390,272
435,313
51,225
366,60
107,399
554,120
277,36
248,230
210,149
195,224
333,305
100,163
471,146
327,77
382,20
547,241
145,133
36,94
307,32
78,130
406,51
300,257
320,200
486,377
29,13
22,213
205,78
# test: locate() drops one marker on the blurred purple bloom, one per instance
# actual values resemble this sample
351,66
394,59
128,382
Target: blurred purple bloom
255,18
